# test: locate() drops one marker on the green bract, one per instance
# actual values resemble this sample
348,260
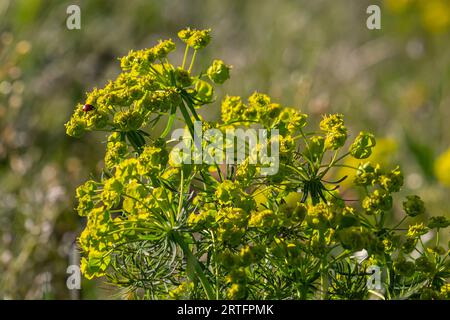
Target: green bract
226,230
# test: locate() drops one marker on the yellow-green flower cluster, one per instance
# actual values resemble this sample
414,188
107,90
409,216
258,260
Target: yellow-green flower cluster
232,225
142,60
182,292
148,87
229,193
417,230
194,38
227,231
116,149
336,132
377,202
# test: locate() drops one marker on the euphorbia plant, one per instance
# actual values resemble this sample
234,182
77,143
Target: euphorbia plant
165,228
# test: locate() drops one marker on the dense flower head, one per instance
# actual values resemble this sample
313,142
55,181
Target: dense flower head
141,59
391,181
367,174
233,109
417,230
336,132
362,147
226,230
196,39
218,72
377,202
353,238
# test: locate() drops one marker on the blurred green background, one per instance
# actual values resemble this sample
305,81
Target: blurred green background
316,55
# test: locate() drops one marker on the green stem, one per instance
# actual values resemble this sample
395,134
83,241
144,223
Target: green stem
192,260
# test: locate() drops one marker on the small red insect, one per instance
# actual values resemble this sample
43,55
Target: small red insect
88,107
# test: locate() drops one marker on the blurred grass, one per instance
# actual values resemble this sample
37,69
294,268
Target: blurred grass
315,55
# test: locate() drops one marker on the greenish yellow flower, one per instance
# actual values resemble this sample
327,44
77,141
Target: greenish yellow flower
196,39
413,206
153,159
218,72
258,101
417,230
76,127
236,292
442,168
320,215
232,109
112,192
391,181
262,219
367,174
377,202
445,291
95,265
128,120
336,132
183,291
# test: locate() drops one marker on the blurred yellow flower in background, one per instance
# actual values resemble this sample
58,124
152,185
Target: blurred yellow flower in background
442,168
413,96
436,15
